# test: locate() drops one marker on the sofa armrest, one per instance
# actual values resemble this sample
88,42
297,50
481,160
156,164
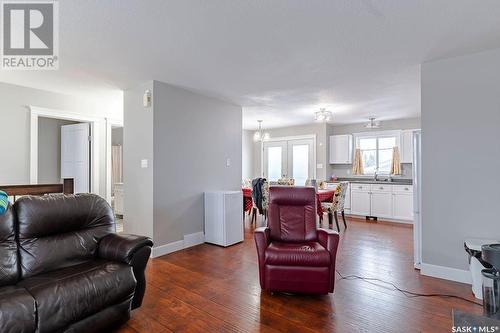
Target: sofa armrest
262,240
122,247
132,250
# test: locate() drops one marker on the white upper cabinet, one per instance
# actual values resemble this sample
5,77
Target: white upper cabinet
341,149
406,147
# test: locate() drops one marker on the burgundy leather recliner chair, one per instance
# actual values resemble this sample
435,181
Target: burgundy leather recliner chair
294,256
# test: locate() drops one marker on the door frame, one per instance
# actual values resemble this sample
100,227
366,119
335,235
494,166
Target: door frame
110,123
289,138
36,112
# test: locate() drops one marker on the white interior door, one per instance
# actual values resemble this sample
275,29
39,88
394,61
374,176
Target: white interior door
275,160
75,155
300,160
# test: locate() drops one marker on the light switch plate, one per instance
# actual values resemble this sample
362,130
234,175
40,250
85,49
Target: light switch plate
319,166
228,162
144,163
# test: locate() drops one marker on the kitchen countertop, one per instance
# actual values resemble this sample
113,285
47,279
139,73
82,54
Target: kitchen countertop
395,181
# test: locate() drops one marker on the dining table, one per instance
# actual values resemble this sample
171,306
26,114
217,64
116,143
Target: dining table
322,195
247,199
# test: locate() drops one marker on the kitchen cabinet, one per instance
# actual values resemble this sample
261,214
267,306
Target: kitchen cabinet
406,146
382,201
402,203
360,199
340,149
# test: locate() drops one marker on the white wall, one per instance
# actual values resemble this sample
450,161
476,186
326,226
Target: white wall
194,135
15,126
187,138
248,171
138,145
461,156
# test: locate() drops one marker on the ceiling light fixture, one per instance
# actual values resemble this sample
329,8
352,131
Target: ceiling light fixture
323,115
373,124
260,135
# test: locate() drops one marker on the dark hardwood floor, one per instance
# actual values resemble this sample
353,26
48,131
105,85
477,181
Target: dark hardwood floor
212,289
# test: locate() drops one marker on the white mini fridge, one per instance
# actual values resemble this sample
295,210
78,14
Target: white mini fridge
224,217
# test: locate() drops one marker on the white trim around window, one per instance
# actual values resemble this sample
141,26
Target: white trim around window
378,135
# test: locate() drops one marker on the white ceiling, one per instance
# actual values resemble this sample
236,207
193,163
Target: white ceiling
280,59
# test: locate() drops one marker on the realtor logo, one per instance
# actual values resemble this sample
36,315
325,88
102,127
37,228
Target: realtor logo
30,35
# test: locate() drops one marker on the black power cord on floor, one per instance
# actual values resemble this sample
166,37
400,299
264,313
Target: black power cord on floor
407,293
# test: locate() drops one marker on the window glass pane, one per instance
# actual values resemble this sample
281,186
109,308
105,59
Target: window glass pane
385,143
369,161
274,163
367,143
384,160
300,163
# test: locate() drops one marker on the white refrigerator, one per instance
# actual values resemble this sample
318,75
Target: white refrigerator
417,198
224,217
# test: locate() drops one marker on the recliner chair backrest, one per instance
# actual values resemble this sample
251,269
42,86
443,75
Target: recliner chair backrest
57,231
9,261
292,214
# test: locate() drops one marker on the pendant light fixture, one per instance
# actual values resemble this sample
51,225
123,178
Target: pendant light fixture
373,124
260,135
323,115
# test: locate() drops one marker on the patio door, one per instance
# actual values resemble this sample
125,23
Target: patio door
292,158
275,160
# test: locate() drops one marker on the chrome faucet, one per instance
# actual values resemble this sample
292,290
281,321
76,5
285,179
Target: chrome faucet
375,175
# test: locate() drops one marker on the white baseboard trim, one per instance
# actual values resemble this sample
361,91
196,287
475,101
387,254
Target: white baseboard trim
194,239
167,248
188,241
447,273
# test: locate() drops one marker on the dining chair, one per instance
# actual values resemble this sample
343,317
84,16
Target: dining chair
265,203
337,205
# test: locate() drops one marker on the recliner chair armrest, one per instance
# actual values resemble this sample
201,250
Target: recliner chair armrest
262,237
329,239
262,240
122,247
130,249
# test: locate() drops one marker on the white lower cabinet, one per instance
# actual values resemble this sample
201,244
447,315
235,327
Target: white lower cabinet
402,203
360,202
382,201
381,204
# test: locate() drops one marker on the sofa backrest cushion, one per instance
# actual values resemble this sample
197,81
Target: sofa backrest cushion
9,262
292,214
57,231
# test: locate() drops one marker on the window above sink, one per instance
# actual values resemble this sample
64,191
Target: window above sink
377,150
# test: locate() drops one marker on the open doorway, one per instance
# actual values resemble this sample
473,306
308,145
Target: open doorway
49,149
117,174
82,147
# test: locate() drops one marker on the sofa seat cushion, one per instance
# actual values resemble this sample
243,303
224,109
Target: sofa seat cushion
71,294
17,310
297,254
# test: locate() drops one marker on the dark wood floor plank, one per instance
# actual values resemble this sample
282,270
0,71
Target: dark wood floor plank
213,289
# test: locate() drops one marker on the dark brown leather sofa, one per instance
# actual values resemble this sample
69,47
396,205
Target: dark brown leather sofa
63,268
